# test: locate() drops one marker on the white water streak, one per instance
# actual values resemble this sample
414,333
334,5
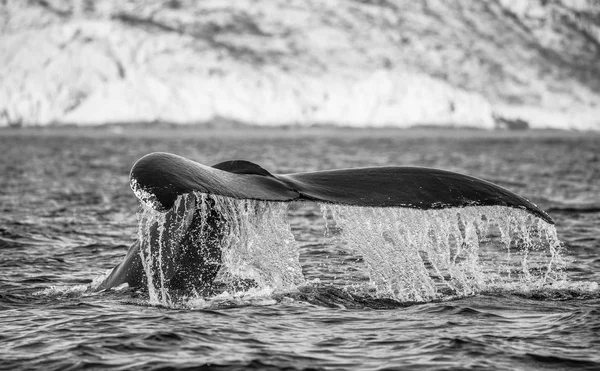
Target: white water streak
257,243
408,254
415,255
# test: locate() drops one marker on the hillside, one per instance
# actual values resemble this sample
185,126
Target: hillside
488,63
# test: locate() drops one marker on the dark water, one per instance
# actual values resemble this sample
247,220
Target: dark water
68,215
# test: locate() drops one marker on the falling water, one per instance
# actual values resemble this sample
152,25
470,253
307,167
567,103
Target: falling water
416,255
254,242
259,244
407,254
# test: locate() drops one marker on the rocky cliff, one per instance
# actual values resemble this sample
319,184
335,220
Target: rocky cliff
487,63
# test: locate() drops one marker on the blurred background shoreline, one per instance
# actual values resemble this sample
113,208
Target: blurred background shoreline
486,64
176,131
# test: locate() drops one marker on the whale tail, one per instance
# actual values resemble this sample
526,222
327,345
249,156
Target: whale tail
163,177
158,179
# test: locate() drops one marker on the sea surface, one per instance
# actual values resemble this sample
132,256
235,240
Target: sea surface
336,288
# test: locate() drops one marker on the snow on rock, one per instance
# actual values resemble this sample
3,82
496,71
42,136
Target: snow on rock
278,62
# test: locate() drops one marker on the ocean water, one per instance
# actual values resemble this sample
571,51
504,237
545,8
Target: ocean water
334,287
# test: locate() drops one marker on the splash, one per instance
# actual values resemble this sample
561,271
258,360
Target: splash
405,254
420,255
259,244
243,239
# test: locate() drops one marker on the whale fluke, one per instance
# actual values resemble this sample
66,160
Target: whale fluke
193,232
159,178
242,167
164,176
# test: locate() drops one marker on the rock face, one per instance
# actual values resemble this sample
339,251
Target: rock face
301,62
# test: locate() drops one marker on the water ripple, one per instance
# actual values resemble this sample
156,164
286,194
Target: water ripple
68,216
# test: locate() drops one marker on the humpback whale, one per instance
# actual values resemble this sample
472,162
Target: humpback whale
194,256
